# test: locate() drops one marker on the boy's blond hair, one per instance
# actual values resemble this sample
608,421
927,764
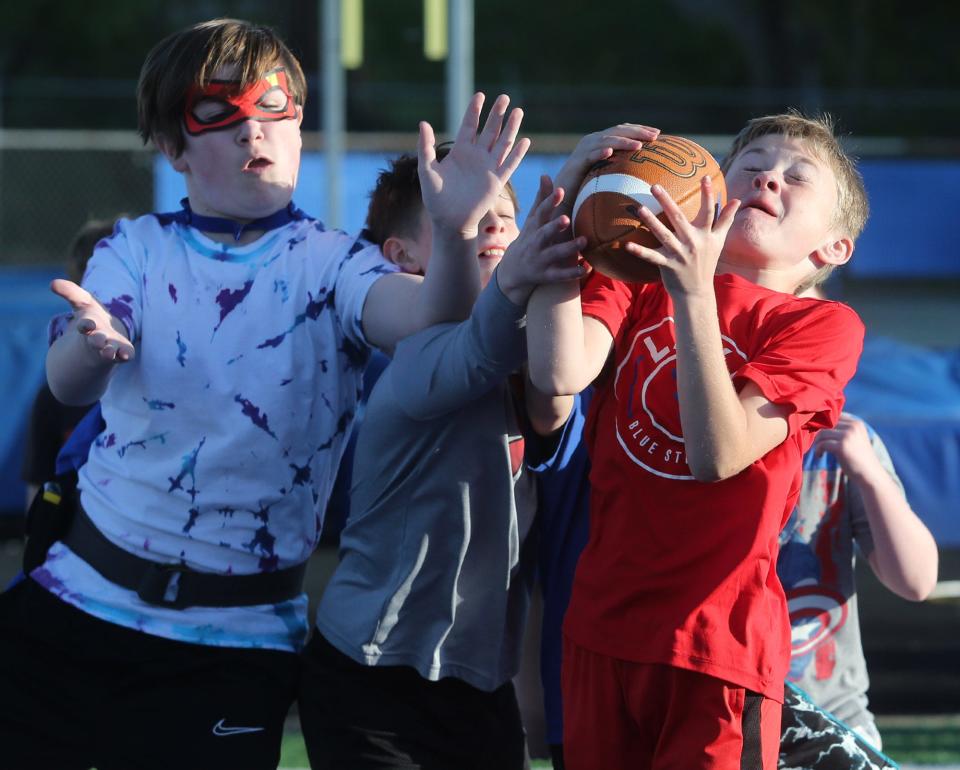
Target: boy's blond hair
191,57
850,215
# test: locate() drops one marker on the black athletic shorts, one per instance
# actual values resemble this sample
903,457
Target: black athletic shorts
77,692
814,739
356,717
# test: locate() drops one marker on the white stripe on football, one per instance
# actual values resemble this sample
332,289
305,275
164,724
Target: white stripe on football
624,184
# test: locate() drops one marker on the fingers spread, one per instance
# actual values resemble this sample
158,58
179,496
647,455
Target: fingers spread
513,160
491,129
707,210
471,119
426,145
509,134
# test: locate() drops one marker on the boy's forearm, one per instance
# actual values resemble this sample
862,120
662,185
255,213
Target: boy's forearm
711,415
452,280
547,414
556,350
904,555
76,376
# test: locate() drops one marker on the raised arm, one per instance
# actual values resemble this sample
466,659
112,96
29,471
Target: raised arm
724,430
446,367
82,360
567,350
904,556
457,192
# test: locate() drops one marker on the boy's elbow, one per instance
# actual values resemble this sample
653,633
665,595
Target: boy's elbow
711,469
923,586
553,383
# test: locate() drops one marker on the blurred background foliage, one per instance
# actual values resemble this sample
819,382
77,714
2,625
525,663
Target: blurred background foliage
885,67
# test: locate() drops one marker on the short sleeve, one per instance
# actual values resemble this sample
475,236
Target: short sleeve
607,300
361,266
115,277
805,356
858,513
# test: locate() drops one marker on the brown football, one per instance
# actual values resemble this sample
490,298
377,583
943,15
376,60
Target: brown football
606,211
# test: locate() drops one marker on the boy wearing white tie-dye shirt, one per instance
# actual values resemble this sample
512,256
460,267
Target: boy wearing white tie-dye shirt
226,343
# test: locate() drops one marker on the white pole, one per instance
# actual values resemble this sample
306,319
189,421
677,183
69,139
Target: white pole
334,107
459,62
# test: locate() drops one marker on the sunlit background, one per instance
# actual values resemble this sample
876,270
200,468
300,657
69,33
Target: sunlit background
887,70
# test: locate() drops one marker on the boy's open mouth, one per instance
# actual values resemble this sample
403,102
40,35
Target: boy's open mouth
255,164
765,206
491,253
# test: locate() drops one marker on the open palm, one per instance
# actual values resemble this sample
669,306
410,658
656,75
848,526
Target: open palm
461,188
100,330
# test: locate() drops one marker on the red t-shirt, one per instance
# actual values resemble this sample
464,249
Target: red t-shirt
683,572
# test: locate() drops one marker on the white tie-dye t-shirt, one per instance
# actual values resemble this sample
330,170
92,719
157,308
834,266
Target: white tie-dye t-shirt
224,433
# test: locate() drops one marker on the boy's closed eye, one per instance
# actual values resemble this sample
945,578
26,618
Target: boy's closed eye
274,100
211,110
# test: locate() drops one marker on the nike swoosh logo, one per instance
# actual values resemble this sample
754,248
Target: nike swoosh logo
221,729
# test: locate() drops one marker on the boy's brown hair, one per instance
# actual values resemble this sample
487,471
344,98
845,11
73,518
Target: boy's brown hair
397,200
192,57
850,215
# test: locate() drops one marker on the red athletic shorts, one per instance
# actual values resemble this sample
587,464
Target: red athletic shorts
619,715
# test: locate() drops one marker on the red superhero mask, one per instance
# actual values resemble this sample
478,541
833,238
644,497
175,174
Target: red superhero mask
267,99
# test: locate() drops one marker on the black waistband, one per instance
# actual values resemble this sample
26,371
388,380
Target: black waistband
170,585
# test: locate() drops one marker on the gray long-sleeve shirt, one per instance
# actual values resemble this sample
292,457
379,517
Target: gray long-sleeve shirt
436,565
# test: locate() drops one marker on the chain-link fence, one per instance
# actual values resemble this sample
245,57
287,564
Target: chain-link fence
52,182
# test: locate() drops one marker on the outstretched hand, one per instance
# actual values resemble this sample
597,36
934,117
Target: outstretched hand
689,254
544,251
464,186
598,146
97,327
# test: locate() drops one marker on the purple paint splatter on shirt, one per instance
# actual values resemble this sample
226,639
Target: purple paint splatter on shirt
142,444
181,351
121,308
301,474
315,307
173,292
263,542
229,299
157,405
194,514
253,412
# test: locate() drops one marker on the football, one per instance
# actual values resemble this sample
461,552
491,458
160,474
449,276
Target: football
606,212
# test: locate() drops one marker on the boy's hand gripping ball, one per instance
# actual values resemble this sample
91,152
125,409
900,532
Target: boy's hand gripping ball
606,211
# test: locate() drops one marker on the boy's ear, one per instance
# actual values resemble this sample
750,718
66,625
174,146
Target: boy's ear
395,249
167,148
835,252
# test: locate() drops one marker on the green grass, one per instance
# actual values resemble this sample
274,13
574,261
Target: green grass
933,740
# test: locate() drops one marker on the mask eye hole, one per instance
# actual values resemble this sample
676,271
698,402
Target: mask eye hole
211,110
274,100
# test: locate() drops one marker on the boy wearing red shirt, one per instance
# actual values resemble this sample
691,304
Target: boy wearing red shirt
716,379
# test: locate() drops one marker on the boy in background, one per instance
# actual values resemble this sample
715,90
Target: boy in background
851,500
226,343
677,635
